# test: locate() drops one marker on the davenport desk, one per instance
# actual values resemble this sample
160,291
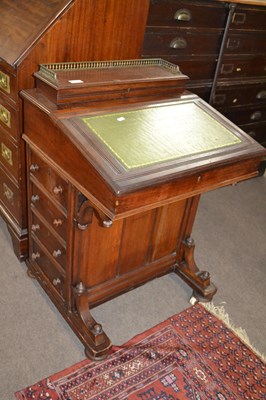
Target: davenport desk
117,157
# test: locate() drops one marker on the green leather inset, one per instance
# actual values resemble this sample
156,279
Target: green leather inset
151,135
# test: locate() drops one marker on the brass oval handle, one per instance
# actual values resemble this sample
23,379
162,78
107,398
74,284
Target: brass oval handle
34,167
5,116
35,198
256,115
182,14
4,82
56,281
261,95
57,253
34,256
178,43
57,190
8,194
57,222
6,153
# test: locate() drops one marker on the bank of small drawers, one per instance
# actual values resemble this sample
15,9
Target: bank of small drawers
48,195
240,93
187,33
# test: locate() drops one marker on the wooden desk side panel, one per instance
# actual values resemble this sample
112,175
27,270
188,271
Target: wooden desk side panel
109,261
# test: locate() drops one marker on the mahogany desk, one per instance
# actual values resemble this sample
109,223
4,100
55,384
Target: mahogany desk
116,165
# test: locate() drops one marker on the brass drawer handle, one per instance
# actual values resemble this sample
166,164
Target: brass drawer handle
34,167
35,198
238,18
35,227
4,82
6,153
8,194
261,95
5,117
227,69
178,43
57,190
182,15
219,99
57,253
34,256
232,44
57,222
256,116
56,281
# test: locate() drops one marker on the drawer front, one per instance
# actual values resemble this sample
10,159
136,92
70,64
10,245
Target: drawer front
9,156
8,118
52,214
240,95
245,44
9,196
49,179
243,68
196,14
7,83
160,43
249,18
53,273
257,131
56,249
242,116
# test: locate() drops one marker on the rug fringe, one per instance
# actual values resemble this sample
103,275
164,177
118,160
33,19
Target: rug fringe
220,312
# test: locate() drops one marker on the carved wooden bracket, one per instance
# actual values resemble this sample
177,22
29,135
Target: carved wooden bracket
200,281
85,214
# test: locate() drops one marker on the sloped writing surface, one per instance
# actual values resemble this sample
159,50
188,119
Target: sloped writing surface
152,135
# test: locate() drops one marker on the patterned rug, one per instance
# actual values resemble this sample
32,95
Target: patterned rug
192,355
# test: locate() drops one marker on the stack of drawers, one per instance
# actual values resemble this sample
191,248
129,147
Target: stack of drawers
48,194
188,33
11,176
221,46
240,93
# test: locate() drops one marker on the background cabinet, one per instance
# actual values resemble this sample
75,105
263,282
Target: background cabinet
221,46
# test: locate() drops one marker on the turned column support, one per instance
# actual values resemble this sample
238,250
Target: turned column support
97,343
200,281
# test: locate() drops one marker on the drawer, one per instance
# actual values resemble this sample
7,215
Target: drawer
249,18
257,131
55,247
196,14
248,67
9,196
160,43
7,82
247,43
240,95
243,115
8,118
49,179
9,156
53,273
54,216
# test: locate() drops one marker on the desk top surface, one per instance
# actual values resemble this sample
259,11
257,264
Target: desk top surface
142,144
153,135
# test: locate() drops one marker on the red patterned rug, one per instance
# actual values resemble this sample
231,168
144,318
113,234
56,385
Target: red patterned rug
192,355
